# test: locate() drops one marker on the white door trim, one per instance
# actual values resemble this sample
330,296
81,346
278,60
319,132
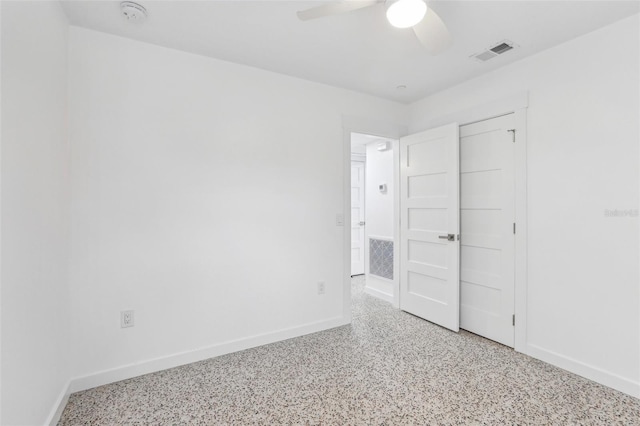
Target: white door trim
516,104
484,112
521,231
360,161
352,124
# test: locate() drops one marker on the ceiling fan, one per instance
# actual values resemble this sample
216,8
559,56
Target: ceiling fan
427,25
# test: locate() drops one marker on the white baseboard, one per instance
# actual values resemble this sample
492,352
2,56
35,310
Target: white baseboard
379,294
100,378
590,372
56,412
175,360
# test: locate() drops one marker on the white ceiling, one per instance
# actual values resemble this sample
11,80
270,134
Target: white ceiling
360,140
358,50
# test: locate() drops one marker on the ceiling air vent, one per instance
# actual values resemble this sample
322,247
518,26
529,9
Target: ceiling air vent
492,52
501,48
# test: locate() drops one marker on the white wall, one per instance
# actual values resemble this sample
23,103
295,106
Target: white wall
583,301
35,212
195,181
359,150
205,197
379,212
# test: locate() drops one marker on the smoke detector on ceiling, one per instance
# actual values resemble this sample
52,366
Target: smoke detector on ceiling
492,52
133,11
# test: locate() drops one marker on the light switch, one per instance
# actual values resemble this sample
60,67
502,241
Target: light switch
339,220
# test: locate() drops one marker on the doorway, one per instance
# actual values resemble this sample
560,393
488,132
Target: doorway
357,214
373,200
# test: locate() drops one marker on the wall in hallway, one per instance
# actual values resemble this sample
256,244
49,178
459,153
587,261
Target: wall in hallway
379,212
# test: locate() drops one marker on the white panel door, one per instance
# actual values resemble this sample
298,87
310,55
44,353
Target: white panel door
429,208
357,217
487,202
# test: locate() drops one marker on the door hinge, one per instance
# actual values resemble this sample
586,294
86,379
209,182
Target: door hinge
513,320
514,228
513,133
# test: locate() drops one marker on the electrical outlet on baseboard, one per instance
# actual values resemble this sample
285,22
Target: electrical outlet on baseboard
321,287
126,319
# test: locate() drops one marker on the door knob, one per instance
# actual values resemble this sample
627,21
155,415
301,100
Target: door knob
448,237
361,223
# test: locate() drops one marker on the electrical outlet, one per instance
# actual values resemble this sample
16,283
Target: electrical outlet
321,287
126,319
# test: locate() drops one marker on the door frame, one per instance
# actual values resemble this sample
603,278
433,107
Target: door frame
517,105
387,130
356,158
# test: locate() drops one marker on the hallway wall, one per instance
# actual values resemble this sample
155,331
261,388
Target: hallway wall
379,213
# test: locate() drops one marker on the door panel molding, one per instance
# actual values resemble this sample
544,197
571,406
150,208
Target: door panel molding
430,291
516,104
487,205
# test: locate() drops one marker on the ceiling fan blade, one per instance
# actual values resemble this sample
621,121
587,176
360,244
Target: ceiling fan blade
334,9
433,33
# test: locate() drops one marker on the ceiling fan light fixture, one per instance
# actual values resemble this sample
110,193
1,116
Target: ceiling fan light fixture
406,13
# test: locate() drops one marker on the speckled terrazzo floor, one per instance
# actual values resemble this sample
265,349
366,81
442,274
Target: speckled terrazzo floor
386,368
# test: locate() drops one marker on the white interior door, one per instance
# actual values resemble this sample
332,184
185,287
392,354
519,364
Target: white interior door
429,225
357,217
487,191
